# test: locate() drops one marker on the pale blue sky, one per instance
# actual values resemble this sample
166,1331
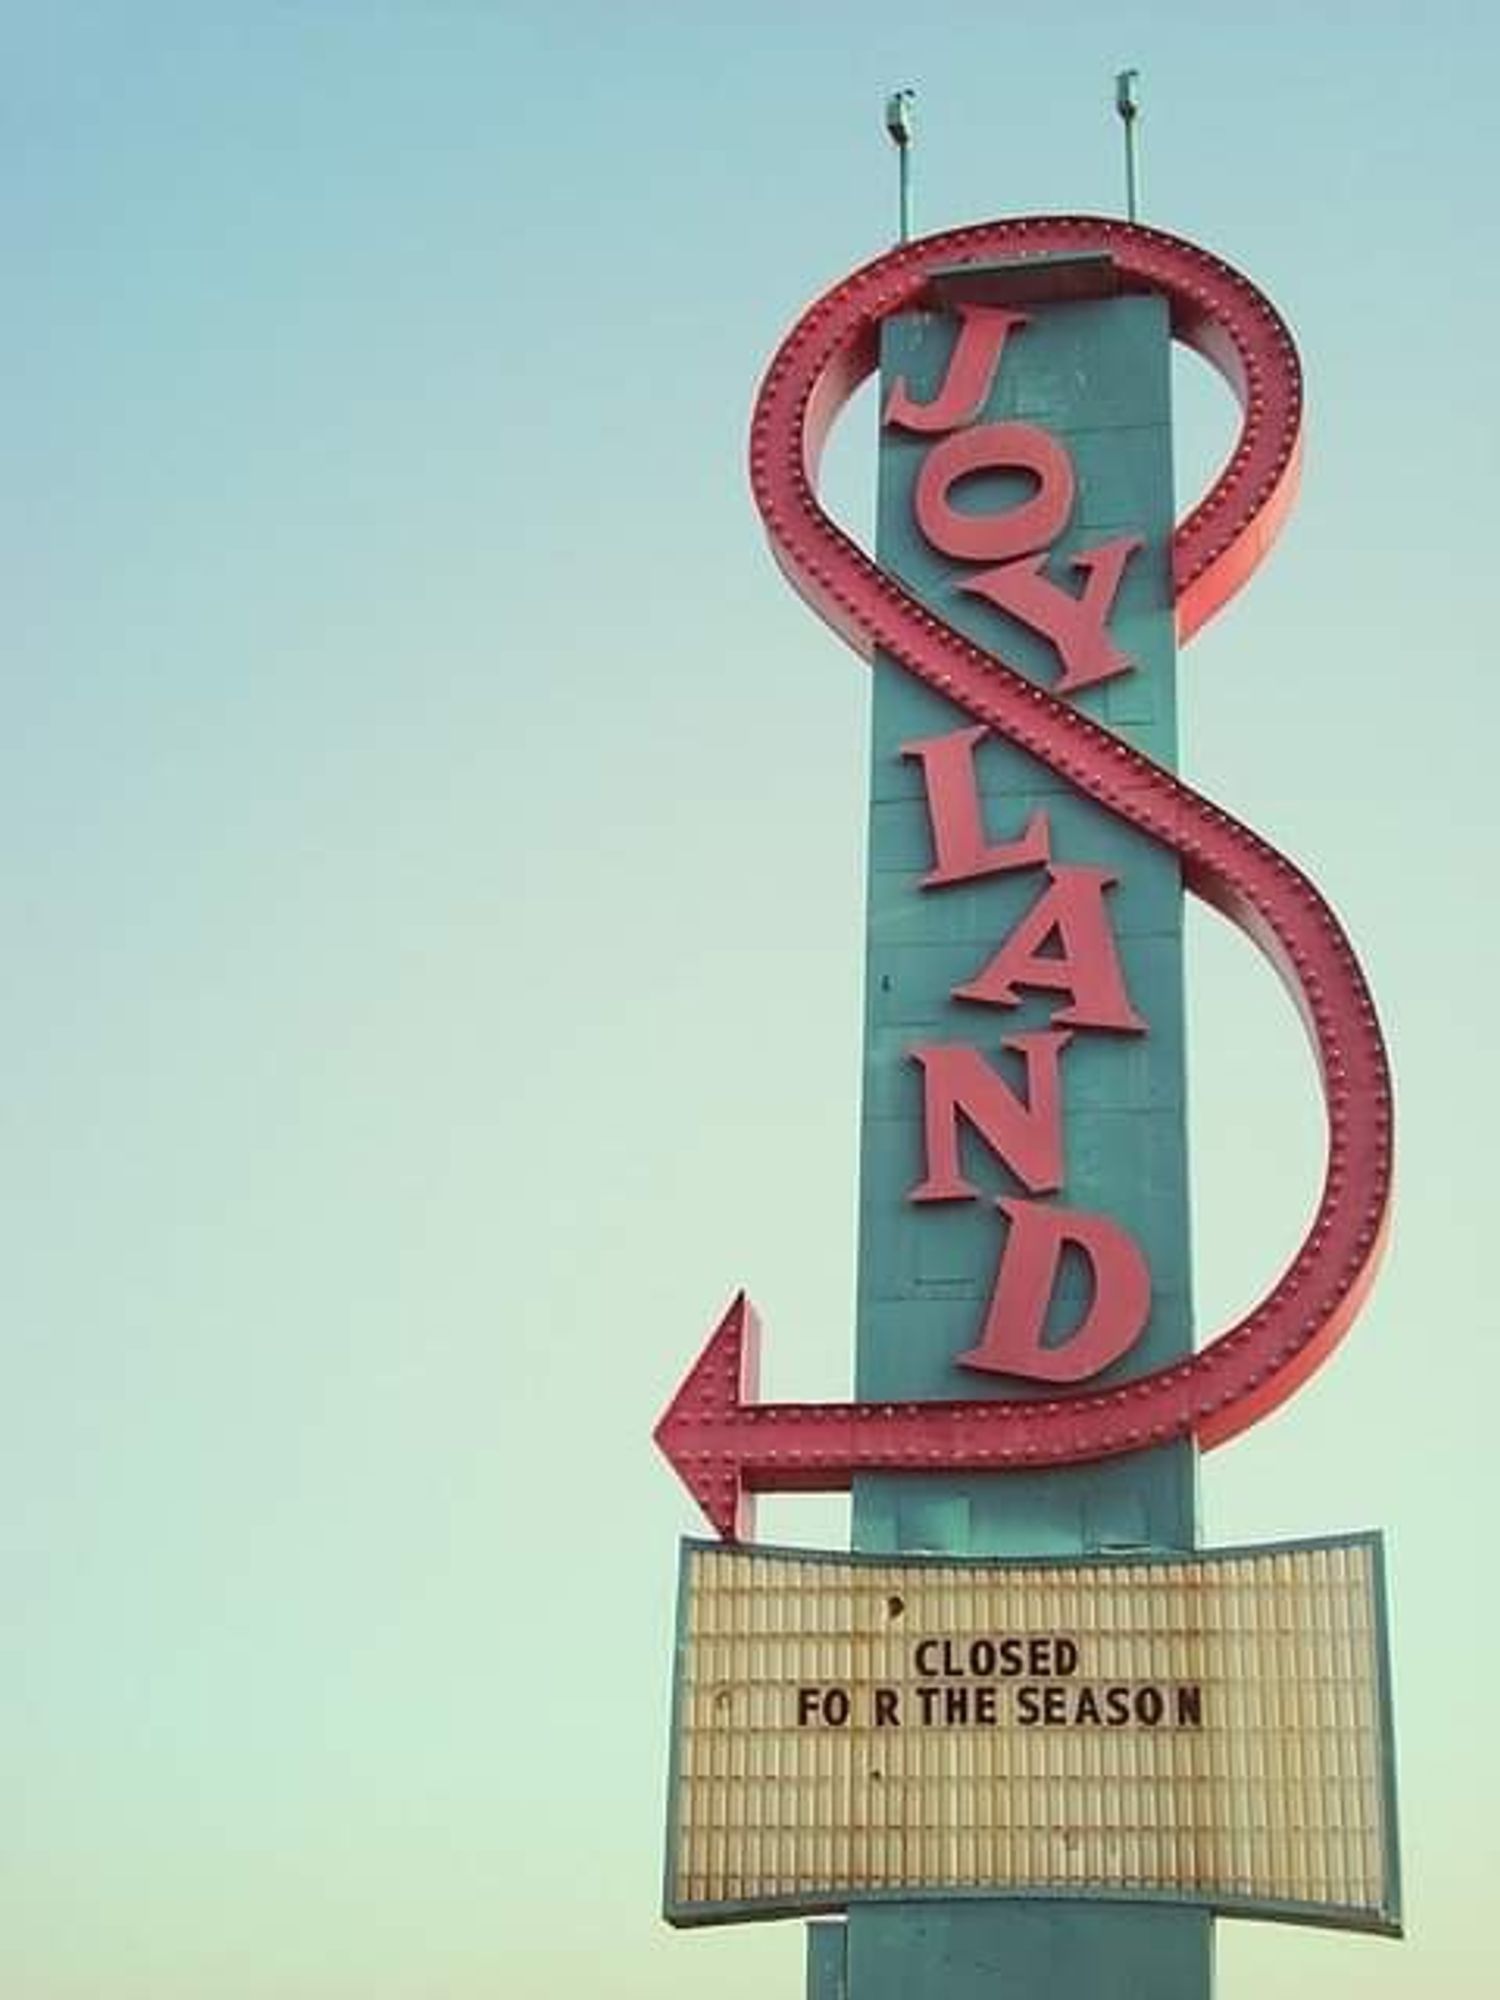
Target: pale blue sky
432,844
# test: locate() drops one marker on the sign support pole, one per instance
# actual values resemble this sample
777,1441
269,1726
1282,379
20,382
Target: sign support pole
1127,103
898,123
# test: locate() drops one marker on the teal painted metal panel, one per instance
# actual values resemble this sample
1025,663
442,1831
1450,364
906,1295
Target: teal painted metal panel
1097,376
827,1961
1064,1951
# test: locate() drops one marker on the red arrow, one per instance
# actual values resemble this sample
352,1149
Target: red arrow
725,1447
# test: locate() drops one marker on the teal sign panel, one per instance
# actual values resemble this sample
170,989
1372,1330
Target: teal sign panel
1095,375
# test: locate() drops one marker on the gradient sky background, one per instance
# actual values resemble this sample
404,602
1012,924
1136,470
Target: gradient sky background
432,840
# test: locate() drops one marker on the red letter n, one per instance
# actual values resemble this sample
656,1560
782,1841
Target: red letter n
1027,1137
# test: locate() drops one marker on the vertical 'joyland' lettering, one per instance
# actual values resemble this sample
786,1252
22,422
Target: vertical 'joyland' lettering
1063,944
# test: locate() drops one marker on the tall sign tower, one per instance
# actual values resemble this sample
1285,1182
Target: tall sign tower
1026,1736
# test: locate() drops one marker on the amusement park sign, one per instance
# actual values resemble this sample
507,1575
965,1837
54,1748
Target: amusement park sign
1024,1318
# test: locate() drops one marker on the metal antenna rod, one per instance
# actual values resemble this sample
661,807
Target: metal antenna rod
1127,104
898,123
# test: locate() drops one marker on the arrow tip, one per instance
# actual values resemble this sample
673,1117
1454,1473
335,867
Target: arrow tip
697,1433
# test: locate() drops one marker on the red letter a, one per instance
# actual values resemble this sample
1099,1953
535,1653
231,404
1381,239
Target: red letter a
1012,1340
1086,964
